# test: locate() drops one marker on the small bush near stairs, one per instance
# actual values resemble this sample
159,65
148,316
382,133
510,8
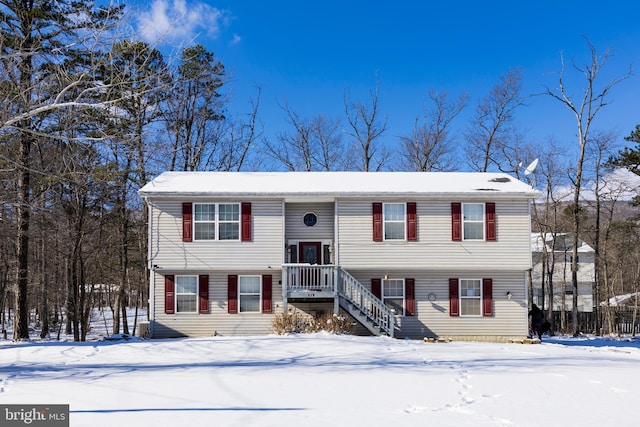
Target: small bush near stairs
293,322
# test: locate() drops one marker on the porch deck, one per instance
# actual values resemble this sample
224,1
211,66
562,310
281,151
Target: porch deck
330,281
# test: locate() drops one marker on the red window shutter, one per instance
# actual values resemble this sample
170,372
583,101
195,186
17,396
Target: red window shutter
246,222
490,218
410,296
266,293
377,222
187,217
203,293
412,222
169,294
456,221
487,297
232,294
454,301
376,288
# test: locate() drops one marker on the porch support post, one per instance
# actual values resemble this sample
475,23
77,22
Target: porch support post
336,290
285,274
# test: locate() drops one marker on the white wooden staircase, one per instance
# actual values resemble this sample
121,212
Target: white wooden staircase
330,281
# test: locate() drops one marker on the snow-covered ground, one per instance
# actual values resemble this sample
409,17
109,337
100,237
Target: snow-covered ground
327,380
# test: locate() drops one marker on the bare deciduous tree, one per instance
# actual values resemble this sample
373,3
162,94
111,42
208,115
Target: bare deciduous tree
493,127
366,128
584,109
430,146
314,144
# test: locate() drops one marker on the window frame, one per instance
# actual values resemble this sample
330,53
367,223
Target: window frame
473,297
483,222
241,294
385,221
217,222
383,297
177,294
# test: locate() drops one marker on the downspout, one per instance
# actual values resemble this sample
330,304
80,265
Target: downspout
336,270
152,299
527,275
283,270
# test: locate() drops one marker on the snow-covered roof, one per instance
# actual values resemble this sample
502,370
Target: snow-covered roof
537,246
618,300
335,184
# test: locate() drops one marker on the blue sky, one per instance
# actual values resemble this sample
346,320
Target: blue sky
307,53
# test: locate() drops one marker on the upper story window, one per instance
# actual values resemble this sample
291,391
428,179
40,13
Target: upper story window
310,219
473,221
394,221
216,221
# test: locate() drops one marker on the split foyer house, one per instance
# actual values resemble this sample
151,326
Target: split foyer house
404,254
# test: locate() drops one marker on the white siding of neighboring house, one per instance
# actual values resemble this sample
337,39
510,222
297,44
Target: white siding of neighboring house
562,280
434,248
169,252
218,321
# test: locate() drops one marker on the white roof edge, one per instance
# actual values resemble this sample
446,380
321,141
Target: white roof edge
333,195
336,184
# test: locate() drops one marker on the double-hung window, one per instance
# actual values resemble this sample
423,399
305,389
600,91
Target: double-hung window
393,295
473,221
470,297
216,221
186,294
394,221
249,293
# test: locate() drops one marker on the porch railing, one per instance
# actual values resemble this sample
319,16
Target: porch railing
307,277
331,280
367,303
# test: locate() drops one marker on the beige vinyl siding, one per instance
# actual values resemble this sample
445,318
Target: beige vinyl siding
432,319
168,251
295,229
218,320
434,247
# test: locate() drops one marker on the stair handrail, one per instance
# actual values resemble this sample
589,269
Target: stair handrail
366,302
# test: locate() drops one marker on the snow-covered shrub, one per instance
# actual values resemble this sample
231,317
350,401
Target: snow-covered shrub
294,321
332,323
291,322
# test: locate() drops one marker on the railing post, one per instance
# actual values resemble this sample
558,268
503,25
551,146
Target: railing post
336,295
285,274
392,320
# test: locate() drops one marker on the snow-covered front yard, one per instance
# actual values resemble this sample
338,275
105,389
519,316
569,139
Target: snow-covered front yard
327,380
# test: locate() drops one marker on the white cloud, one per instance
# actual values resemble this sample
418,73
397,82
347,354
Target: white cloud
179,22
619,184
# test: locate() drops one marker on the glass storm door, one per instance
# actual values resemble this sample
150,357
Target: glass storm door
310,252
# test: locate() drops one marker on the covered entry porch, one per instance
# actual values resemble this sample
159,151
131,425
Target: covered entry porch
306,281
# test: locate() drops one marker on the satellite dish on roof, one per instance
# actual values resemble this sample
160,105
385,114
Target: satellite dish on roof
532,166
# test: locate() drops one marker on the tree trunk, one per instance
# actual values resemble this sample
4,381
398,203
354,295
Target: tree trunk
21,314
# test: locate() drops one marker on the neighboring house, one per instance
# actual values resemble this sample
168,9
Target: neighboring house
562,283
449,252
